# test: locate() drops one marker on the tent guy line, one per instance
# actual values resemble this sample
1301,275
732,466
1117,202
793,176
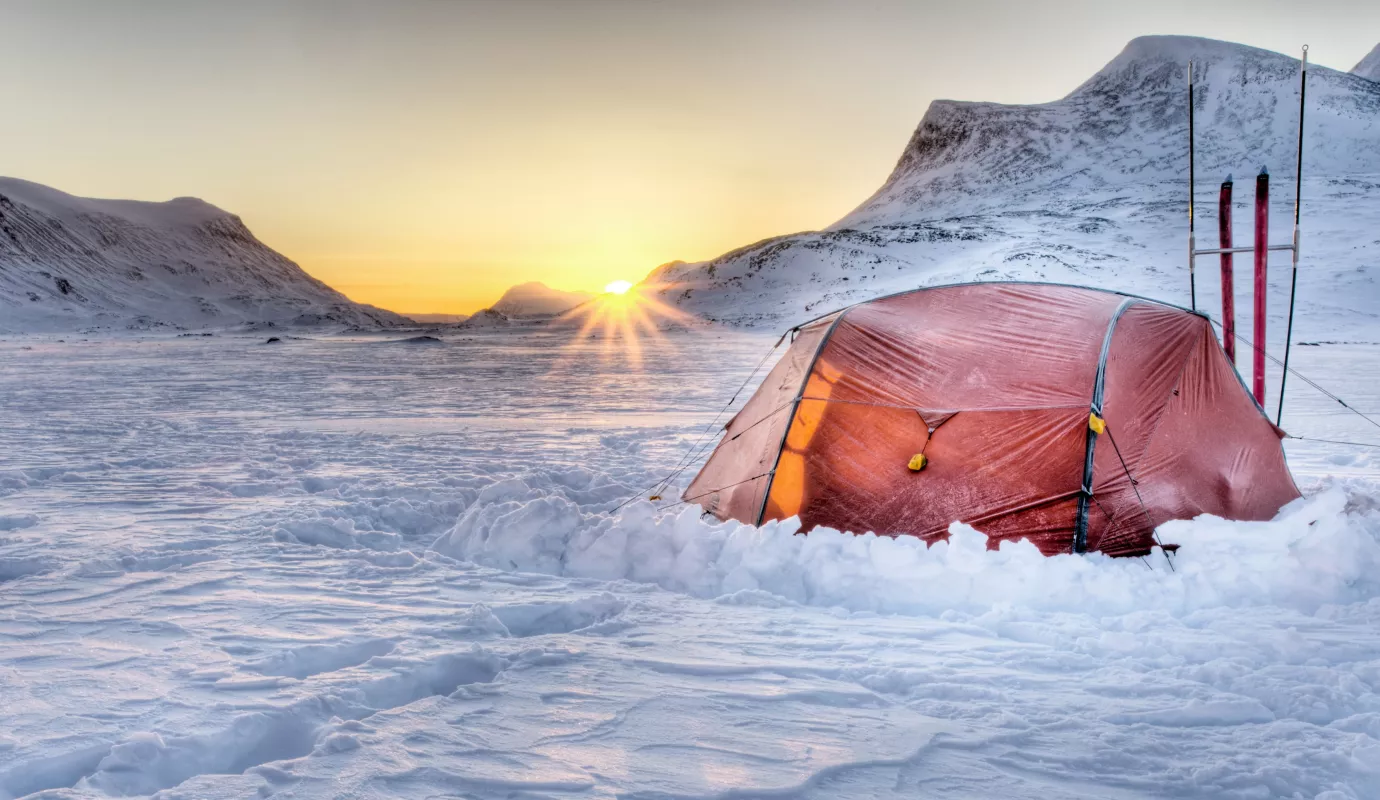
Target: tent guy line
1300,376
696,448
1135,485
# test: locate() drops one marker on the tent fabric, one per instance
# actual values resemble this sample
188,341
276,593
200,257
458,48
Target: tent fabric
994,383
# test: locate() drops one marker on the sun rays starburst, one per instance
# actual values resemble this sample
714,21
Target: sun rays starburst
621,317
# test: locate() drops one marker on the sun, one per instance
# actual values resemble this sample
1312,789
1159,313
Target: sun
620,318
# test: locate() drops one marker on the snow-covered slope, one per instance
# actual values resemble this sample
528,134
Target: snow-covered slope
69,262
1088,189
1369,67
1126,125
486,318
536,299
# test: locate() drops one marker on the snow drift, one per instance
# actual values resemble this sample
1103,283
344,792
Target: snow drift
1318,551
69,262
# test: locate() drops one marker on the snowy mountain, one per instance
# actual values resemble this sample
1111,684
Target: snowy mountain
1089,189
536,299
1369,67
486,318
1126,125
73,263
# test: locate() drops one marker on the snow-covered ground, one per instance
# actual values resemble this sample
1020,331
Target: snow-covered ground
329,567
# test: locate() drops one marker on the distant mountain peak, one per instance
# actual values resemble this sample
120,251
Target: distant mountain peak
1128,124
179,211
1179,48
536,299
1369,67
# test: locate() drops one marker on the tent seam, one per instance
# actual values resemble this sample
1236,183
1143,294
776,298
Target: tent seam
919,289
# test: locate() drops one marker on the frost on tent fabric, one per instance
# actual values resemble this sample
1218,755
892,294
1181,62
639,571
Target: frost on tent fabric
1076,418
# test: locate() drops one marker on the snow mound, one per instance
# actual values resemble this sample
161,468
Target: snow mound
1318,551
72,263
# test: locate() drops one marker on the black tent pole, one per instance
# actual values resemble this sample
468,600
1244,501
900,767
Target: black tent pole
1298,200
1192,282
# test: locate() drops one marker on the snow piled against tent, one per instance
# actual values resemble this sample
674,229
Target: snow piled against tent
1320,550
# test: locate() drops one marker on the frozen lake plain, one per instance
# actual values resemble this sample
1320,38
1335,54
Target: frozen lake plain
364,567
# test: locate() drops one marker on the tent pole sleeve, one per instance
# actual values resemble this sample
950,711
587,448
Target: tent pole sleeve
1085,490
795,407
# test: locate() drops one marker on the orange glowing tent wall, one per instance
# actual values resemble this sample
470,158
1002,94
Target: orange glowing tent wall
994,383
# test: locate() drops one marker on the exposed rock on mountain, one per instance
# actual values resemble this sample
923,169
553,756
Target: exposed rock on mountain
487,318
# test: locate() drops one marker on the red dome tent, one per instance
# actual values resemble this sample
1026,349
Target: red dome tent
1076,418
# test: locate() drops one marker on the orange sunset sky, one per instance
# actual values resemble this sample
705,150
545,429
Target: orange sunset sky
424,156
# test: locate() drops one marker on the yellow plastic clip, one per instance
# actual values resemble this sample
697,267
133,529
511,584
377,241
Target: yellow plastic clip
1097,424
654,497
917,462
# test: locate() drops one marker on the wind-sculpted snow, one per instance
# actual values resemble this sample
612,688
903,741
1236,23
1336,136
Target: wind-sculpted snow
69,263
328,568
1091,189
